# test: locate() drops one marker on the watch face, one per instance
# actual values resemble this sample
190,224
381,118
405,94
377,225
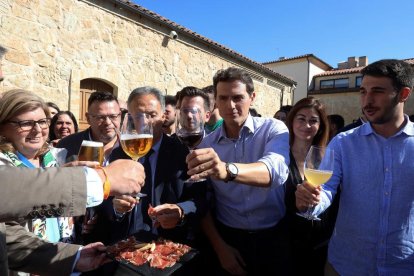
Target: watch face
233,169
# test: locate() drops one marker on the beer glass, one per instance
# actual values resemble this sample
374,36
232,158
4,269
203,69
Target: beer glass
136,135
91,151
318,169
190,130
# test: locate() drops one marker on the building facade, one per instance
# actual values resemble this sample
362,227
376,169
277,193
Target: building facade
338,89
64,50
301,69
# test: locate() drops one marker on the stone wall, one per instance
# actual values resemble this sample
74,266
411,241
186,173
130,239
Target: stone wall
53,45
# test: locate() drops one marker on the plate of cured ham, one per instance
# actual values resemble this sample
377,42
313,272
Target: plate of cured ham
161,257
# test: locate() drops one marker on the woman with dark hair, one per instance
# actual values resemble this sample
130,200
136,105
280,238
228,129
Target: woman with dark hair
308,125
63,124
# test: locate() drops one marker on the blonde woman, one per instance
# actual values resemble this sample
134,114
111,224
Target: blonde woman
24,130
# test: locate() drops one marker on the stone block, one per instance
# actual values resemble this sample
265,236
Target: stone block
18,57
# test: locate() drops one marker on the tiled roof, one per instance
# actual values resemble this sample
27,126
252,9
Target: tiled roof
351,70
297,57
340,71
409,60
176,27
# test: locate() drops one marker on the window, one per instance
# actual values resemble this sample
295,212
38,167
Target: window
326,84
358,81
337,83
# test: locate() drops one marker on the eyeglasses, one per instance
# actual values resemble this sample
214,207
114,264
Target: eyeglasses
27,125
302,121
102,118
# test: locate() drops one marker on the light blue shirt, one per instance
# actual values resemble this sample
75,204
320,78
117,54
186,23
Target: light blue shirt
374,231
243,206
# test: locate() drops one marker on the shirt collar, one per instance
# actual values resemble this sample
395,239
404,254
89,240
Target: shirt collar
408,128
248,124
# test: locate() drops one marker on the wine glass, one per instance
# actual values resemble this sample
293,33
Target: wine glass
136,137
190,130
318,169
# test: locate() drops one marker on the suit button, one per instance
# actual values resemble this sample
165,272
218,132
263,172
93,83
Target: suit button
42,213
50,213
59,212
34,214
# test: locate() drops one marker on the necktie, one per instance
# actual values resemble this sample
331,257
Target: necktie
147,189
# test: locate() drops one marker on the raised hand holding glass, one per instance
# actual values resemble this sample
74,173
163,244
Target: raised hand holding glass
318,169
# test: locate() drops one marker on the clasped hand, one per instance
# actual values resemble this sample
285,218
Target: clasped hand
307,196
165,215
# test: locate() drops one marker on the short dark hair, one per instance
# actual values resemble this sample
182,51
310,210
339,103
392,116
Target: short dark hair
2,51
208,89
52,135
233,74
101,96
170,100
400,72
53,105
191,91
337,120
147,90
254,112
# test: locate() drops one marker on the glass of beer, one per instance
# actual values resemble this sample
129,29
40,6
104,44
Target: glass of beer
318,169
91,151
136,135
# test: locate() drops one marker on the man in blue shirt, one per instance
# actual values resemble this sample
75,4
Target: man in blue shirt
246,159
374,166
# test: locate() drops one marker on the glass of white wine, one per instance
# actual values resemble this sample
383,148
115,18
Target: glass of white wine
318,169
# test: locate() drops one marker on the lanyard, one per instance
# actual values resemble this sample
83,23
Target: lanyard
25,161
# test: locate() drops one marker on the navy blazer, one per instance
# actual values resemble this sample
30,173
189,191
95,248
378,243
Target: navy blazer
170,174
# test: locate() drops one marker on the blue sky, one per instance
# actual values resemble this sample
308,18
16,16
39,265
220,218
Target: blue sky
332,30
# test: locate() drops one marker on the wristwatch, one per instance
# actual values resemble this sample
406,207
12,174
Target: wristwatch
232,172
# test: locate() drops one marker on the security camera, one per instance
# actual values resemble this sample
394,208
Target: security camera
173,35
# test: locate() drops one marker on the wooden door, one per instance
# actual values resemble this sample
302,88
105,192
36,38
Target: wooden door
87,87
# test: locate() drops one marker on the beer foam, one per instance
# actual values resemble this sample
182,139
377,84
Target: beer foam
128,136
93,144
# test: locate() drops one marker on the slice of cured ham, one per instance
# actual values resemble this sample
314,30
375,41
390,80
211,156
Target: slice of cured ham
160,254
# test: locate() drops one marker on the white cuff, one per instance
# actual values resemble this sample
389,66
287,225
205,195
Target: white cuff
94,188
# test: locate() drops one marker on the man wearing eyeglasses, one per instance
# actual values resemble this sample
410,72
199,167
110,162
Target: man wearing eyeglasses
104,118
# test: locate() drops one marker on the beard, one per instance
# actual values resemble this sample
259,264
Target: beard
388,112
168,123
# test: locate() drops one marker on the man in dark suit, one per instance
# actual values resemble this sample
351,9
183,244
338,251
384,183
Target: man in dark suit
104,117
177,205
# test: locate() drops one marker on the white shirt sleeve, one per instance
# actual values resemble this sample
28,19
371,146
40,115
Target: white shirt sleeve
94,188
